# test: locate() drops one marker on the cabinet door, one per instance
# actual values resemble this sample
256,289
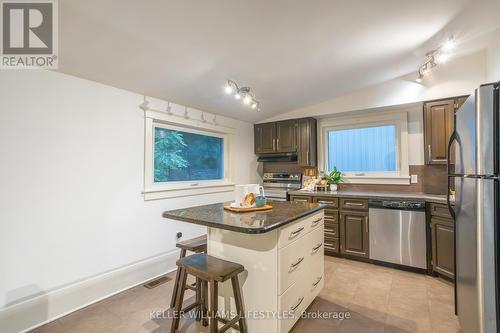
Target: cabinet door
438,122
286,136
443,246
265,138
354,234
306,145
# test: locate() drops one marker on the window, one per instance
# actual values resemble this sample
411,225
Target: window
366,149
185,156
369,148
188,157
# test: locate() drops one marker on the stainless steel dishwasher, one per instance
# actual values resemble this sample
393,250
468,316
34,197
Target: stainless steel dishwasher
398,232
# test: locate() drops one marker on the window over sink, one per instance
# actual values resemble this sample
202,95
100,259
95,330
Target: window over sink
363,149
369,148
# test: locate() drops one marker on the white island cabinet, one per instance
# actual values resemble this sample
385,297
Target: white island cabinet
284,271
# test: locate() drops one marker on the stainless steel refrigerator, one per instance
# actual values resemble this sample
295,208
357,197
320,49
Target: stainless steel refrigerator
475,153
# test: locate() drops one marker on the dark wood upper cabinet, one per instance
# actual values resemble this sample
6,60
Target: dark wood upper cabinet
354,237
286,136
307,145
438,127
265,138
438,120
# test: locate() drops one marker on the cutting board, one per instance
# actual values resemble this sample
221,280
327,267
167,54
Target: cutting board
247,210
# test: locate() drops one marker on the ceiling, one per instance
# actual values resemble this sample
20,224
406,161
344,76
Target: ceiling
292,53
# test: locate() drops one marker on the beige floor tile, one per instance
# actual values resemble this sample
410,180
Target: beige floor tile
378,299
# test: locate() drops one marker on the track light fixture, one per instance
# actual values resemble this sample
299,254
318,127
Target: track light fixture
435,57
245,94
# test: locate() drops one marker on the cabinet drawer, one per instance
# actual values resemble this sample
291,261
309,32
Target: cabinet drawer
332,215
293,303
300,198
331,229
331,244
440,210
331,202
300,258
353,204
298,229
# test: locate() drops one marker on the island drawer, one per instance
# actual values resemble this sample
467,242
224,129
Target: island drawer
298,229
330,201
299,258
353,204
292,303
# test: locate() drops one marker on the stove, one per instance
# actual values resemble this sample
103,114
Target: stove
277,184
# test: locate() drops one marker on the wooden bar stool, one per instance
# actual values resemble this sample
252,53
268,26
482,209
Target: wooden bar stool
197,245
210,271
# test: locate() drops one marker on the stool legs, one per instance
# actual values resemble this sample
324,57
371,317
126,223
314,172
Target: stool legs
176,284
199,309
239,304
204,304
213,306
179,297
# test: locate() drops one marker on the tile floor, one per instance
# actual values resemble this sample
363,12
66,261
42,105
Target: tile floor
378,299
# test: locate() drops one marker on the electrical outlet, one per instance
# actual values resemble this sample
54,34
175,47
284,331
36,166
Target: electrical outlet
414,179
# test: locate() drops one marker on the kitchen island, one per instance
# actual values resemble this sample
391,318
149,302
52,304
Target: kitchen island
282,251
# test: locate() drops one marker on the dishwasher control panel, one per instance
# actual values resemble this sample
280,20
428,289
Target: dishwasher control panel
393,204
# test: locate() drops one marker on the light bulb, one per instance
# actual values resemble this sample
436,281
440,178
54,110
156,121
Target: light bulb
247,99
449,45
237,96
441,58
228,89
254,105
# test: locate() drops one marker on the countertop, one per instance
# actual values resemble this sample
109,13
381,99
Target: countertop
435,198
214,216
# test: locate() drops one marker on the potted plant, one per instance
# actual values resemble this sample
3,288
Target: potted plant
334,178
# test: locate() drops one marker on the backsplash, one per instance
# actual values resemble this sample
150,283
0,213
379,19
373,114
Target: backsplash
432,179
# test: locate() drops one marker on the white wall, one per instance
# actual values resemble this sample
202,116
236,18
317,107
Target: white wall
71,176
458,77
493,59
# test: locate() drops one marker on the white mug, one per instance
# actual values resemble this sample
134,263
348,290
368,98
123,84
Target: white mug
241,191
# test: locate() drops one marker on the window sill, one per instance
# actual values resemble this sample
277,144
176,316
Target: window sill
382,180
165,193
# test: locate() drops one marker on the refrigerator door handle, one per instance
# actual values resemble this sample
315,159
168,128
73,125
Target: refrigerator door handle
454,137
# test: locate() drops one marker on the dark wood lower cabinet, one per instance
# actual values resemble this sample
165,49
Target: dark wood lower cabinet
443,246
354,237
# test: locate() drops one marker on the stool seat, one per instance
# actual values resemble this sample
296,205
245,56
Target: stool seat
198,244
210,268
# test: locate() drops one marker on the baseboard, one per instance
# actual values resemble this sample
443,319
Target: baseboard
34,312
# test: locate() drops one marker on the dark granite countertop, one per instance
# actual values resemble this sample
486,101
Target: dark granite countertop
215,216
435,198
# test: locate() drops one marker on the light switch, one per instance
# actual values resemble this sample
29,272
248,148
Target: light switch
414,179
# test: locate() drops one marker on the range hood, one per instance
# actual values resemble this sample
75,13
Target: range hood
286,157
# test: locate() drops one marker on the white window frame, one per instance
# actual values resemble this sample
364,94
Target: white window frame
400,119
154,190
